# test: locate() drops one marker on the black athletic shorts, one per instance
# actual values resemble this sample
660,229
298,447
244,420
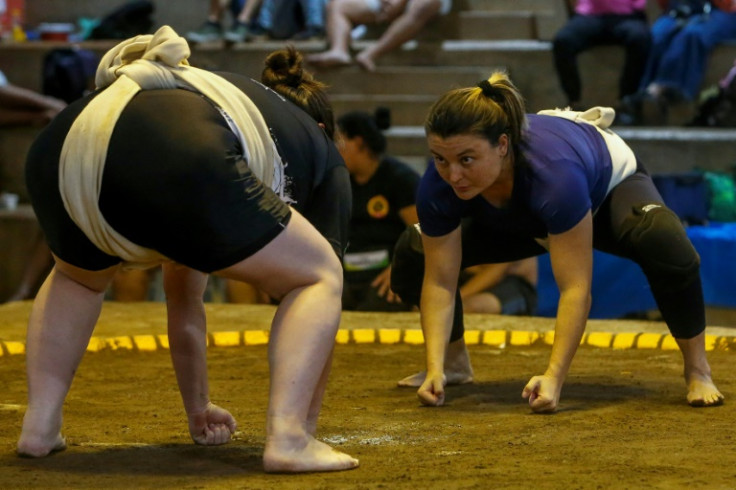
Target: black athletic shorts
171,183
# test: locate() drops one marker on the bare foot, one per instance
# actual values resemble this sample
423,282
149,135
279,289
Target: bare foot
453,378
329,59
365,62
701,391
288,455
35,446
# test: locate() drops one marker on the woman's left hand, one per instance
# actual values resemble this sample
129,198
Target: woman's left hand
212,426
543,393
382,283
432,391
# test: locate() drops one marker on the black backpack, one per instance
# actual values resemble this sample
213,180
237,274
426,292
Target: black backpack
129,20
69,73
719,109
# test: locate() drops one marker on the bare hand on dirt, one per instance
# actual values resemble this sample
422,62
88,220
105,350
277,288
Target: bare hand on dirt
212,427
543,393
432,391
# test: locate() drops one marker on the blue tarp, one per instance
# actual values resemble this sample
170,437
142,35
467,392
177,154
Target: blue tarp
620,288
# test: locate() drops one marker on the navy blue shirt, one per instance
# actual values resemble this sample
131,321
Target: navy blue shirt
566,173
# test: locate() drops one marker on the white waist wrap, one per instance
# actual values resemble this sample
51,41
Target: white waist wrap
149,62
623,159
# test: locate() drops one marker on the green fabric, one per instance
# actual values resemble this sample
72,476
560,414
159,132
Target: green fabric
722,194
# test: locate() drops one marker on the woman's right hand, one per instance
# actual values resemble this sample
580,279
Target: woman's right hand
543,393
432,391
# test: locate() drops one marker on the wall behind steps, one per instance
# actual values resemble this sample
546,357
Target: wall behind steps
182,15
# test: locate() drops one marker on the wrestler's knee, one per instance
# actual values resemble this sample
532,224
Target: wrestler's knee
659,243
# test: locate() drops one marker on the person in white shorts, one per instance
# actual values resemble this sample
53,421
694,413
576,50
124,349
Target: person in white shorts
406,18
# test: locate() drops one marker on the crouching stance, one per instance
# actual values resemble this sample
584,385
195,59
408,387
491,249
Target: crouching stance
120,178
506,185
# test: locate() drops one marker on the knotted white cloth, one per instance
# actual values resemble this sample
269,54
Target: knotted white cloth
600,117
149,62
623,159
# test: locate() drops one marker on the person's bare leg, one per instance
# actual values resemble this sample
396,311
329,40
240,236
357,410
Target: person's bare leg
248,11
62,319
299,349
458,369
316,406
404,28
701,391
301,342
215,12
342,15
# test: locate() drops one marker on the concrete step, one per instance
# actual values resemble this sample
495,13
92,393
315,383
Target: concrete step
493,25
662,150
416,69
406,81
510,5
469,25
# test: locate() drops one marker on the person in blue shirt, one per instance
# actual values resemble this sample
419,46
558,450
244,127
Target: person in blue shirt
522,185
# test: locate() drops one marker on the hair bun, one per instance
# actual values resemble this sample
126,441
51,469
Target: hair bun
285,67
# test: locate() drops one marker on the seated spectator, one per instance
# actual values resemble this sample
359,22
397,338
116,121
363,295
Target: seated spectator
601,22
508,288
299,20
406,19
23,107
717,107
683,38
384,191
242,27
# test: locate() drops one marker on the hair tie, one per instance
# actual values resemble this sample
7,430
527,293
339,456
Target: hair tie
490,91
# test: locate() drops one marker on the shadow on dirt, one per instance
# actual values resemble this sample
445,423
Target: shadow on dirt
502,395
160,460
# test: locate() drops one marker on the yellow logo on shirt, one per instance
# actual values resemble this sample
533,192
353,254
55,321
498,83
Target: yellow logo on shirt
378,207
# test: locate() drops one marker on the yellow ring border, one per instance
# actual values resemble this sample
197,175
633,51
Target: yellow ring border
499,339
